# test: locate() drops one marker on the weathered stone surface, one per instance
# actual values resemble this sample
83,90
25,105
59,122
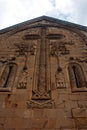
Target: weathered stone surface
43,76
82,104
81,123
68,129
65,123
80,112
21,123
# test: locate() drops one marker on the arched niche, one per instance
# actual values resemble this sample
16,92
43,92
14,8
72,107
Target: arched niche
7,77
77,77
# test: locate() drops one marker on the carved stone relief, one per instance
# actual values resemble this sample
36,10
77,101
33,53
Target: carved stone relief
78,59
7,59
31,37
42,47
58,48
24,48
21,49
23,80
55,36
63,50
41,89
32,49
60,82
41,93
40,104
53,51
69,43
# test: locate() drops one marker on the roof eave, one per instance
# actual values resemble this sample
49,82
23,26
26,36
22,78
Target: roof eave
64,23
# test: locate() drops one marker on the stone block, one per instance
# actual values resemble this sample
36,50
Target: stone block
51,123
79,112
68,129
54,113
2,123
44,124
75,97
60,104
68,113
21,113
78,96
16,123
81,123
82,104
38,113
39,123
71,104
64,97
9,129
5,113
65,123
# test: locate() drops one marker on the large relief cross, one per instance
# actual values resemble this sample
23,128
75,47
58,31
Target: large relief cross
41,92
41,85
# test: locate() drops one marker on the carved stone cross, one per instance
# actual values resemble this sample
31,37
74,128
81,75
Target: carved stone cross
41,88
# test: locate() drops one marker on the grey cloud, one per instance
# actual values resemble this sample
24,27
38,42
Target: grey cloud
80,7
58,14
53,2
77,15
23,10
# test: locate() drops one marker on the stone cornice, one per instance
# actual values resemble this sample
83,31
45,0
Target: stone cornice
49,19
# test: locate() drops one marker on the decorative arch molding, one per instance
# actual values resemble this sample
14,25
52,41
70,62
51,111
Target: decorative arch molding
7,77
77,77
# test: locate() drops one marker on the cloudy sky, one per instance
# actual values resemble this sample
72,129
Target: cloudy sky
17,11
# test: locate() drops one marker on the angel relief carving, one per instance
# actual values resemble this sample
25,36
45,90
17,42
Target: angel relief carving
59,77
23,79
59,80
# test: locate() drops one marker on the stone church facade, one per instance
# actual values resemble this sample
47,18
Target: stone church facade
43,76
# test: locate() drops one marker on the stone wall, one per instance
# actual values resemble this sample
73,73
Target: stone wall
36,91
